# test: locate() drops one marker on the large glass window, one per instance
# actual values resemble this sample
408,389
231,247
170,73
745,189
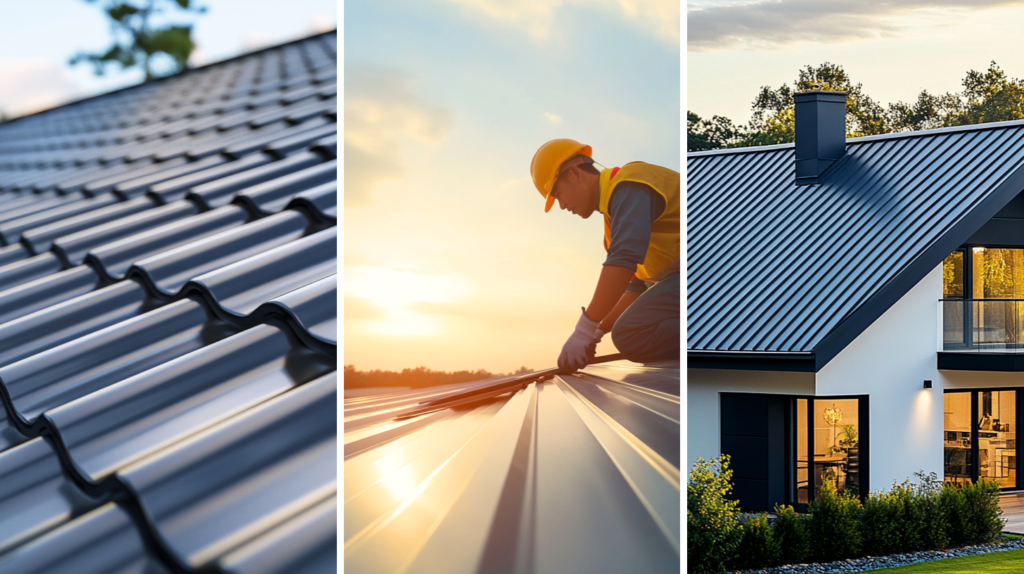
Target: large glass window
803,486
837,444
997,432
953,276
957,447
980,426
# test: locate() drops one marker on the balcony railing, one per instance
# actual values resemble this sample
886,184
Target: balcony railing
981,325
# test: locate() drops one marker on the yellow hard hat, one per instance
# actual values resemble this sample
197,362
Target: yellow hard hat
547,160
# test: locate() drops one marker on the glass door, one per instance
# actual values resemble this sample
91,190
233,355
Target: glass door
980,426
830,438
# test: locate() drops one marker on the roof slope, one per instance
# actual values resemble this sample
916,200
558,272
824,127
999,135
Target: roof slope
579,474
168,281
773,266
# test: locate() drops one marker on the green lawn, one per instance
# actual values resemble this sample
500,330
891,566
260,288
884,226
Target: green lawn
1011,561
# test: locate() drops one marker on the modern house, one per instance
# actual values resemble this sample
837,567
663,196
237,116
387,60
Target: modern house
856,307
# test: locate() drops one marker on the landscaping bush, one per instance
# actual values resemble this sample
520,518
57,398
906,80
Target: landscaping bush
984,517
759,547
972,512
791,533
934,534
712,533
892,522
833,525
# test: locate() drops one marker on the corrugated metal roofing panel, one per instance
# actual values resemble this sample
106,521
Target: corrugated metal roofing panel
773,266
571,475
157,289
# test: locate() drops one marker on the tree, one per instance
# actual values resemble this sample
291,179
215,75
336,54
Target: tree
718,132
989,96
136,42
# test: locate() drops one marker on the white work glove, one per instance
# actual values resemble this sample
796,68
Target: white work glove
574,352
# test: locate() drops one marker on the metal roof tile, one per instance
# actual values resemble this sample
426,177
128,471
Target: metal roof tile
113,205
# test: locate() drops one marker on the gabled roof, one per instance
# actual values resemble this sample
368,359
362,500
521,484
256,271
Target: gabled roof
788,275
168,280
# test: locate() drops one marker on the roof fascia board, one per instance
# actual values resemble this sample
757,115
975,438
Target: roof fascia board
179,74
855,324
751,361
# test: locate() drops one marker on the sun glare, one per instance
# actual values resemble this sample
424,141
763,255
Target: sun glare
394,289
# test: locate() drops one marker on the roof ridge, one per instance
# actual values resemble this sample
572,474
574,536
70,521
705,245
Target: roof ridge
866,139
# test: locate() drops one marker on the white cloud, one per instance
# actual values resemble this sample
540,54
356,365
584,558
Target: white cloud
382,110
536,17
772,23
31,85
553,118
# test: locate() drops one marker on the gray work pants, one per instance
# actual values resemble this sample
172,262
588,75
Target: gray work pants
648,330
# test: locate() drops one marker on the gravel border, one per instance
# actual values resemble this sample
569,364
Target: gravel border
891,561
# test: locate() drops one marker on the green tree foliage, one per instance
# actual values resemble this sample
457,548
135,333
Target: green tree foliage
416,378
989,96
716,133
712,531
136,41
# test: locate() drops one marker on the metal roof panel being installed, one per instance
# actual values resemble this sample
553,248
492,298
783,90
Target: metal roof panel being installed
575,474
168,280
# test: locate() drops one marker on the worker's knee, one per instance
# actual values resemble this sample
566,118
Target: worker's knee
649,329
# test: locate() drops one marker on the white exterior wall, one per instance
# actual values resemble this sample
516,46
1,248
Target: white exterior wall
889,362
703,430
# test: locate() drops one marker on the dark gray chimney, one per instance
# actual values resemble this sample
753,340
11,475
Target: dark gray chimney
820,133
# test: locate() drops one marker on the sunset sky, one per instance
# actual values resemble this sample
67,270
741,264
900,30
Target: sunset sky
449,259
895,49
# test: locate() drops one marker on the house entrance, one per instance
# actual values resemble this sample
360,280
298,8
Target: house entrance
980,436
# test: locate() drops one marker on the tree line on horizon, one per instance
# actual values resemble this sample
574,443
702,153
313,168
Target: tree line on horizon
418,377
989,96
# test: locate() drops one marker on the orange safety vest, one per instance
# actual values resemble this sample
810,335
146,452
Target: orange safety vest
663,249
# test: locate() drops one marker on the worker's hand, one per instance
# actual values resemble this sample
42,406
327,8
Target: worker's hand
574,352
592,347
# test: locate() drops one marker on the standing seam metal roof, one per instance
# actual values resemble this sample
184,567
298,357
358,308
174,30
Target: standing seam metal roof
579,474
168,283
773,266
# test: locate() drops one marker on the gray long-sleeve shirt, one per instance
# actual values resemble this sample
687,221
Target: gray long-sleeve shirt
633,209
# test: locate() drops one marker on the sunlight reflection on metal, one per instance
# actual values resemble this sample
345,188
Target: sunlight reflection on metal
573,475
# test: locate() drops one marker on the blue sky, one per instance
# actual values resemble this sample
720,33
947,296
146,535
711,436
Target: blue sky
38,37
450,260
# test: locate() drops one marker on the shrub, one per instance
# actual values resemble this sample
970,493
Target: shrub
972,512
833,525
791,532
893,521
935,525
759,547
712,533
954,507
984,517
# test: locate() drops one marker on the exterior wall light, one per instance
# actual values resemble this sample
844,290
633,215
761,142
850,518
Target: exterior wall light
927,384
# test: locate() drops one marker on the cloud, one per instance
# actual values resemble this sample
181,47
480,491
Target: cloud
536,17
775,23
382,110
31,85
553,118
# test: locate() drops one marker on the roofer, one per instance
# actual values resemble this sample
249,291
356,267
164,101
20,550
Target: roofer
637,294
